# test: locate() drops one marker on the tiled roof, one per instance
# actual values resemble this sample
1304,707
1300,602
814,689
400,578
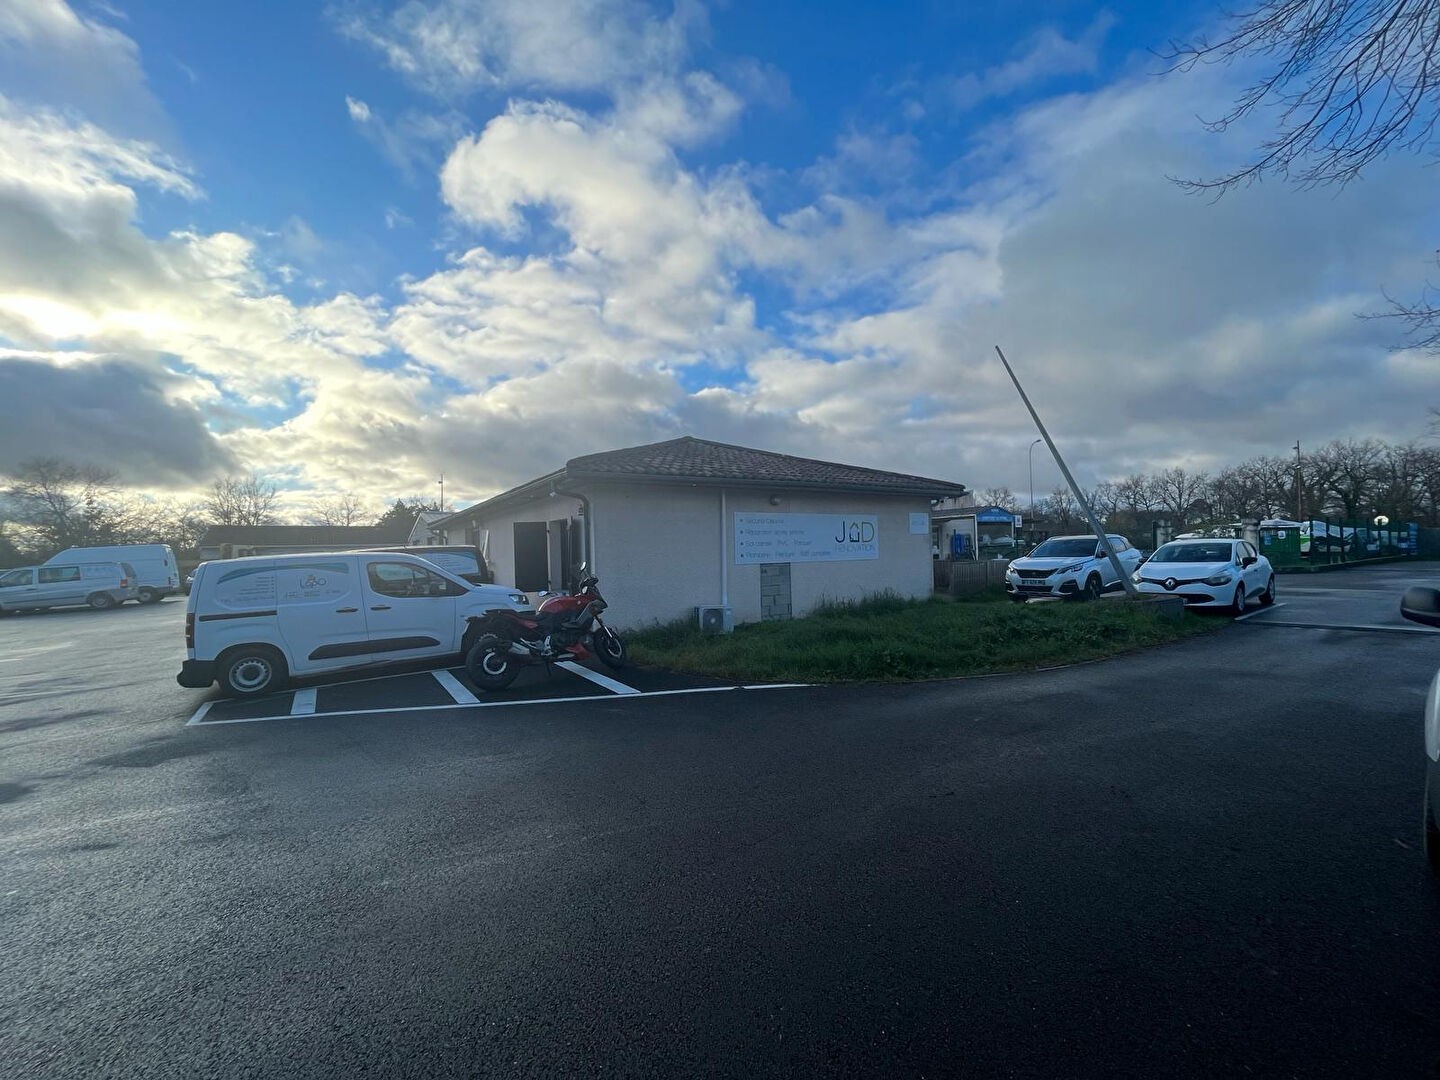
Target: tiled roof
290,535
689,458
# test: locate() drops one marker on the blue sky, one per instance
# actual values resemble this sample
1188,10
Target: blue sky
354,245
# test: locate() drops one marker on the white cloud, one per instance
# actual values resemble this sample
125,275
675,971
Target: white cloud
454,47
359,111
53,56
1047,55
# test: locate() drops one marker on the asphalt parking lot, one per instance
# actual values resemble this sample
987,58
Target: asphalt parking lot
1199,860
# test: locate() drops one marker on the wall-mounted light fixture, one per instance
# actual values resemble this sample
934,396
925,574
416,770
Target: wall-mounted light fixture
774,500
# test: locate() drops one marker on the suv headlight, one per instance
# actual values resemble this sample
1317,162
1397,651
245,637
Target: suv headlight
1071,569
519,598
1135,577
1222,578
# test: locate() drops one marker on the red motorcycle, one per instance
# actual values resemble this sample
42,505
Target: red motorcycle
561,629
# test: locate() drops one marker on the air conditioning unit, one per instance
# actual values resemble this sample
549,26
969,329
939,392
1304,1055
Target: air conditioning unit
715,620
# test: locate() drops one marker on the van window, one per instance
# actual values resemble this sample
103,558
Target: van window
403,581
17,577
51,574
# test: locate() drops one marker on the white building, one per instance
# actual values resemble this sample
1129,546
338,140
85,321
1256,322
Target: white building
686,524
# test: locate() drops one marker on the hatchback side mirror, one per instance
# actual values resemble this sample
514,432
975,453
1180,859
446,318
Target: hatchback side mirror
1249,560
1421,605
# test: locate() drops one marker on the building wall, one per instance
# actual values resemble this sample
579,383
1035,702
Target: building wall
502,532
658,551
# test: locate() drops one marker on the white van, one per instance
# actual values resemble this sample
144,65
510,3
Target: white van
100,585
252,623
153,563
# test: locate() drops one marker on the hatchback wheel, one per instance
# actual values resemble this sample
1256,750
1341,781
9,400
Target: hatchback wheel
1238,606
1268,596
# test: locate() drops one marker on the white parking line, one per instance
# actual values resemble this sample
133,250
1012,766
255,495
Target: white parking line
1261,611
502,704
304,703
454,688
608,683
199,714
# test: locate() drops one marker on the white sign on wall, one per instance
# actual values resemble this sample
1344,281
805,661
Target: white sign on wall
919,524
783,538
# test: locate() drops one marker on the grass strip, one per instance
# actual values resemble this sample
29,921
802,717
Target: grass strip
889,639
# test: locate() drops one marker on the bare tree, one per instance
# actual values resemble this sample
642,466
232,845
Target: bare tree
1352,79
1179,491
1061,507
1002,497
241,500
59,504
346,509
1350,473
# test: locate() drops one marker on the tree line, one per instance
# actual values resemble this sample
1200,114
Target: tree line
50,504
1351,480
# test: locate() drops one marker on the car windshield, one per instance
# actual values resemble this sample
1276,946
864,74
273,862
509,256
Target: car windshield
1071,548
1216,552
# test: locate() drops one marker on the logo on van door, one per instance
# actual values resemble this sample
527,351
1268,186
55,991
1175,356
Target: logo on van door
311,581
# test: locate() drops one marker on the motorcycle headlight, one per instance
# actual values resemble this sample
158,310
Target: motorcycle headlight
1222,578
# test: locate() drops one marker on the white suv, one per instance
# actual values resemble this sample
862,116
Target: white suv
1073,567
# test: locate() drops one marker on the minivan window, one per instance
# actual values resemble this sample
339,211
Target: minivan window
51,574
403,581
17,577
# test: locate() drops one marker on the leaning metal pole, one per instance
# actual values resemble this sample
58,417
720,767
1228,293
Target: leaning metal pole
1129,585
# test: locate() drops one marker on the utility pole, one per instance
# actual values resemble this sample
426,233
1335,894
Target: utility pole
442,491
1115,563
1299,492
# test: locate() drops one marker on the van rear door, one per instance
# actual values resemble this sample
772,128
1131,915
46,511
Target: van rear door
322,613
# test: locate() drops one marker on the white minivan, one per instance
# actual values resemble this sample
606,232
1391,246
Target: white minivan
154,566
99,585
252,623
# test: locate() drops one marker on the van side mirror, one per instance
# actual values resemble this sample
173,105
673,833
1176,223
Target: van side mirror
1421,605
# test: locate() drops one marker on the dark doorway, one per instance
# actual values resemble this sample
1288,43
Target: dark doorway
559,552
532,556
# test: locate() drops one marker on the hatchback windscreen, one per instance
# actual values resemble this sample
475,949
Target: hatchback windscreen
1064,549
1193,553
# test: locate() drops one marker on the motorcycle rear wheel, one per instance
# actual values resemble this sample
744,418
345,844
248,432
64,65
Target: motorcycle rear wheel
490,664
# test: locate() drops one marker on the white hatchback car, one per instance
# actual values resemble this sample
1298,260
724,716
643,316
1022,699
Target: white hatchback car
1209,573
1073,567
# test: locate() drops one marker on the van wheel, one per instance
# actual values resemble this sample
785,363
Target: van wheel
148,596
251,670
101,601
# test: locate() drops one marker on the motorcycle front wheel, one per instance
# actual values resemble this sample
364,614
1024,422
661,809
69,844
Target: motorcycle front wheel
490,664
610,648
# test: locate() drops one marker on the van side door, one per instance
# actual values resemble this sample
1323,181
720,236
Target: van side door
410,610
321,612
61,585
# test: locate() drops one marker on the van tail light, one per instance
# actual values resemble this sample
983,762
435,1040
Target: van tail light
189,630
124,583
